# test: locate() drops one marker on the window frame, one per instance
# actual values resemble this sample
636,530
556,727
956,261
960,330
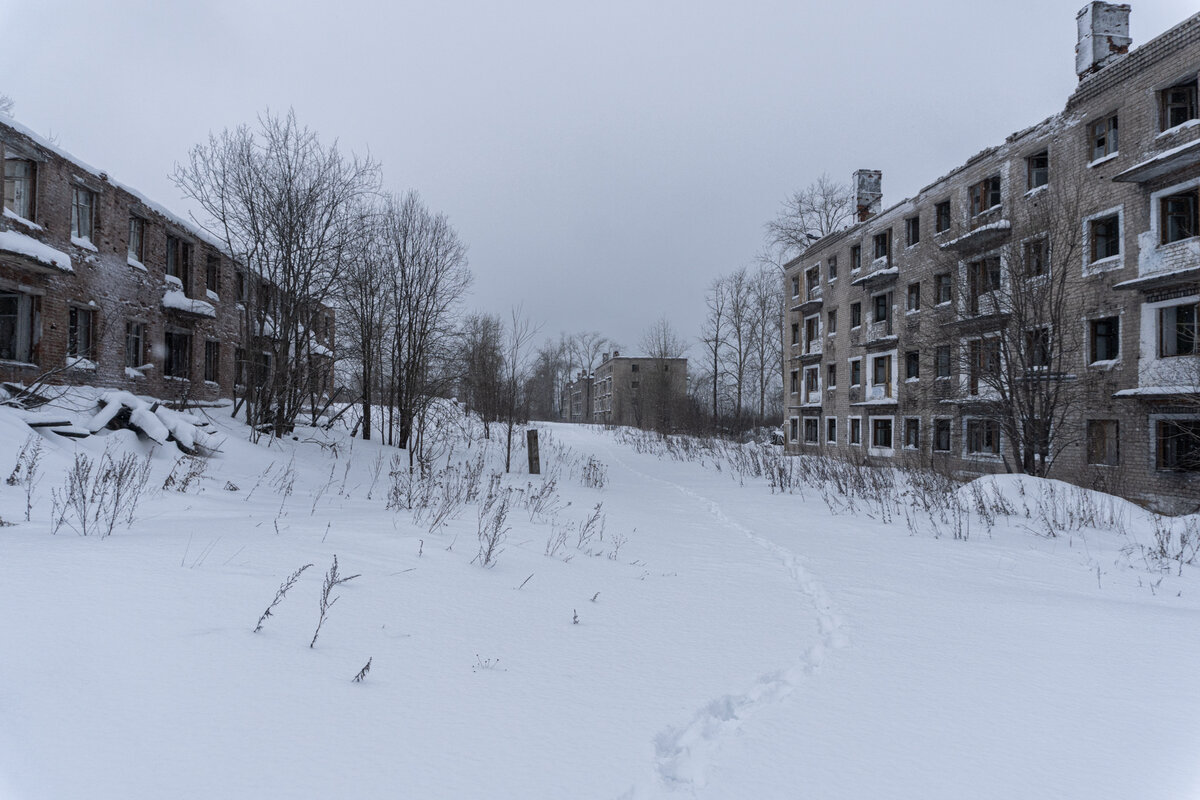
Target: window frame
1111,451
912,230
1033,171
1113,337
1103,138
1188,104
135,344
25,316
28,182
78,193
986,191
81,324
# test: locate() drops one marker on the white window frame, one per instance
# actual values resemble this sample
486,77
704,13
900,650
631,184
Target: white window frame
872,448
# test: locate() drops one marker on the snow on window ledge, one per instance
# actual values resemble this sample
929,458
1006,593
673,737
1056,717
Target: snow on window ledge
79,362
15,217
1105,264
133,262
212,295
1102,159
134,374
1183,126
1105,364
84,243
171,280
1037,190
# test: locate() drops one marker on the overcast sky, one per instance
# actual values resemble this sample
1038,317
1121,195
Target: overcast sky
603,161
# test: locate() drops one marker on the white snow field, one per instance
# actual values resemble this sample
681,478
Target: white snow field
717,640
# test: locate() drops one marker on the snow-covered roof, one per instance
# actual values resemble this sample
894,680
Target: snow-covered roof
187,225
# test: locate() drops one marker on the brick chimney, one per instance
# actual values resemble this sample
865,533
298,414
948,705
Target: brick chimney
1103,35
868,193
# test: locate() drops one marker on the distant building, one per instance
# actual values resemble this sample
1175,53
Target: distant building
639,392
895,326
99,285
575,404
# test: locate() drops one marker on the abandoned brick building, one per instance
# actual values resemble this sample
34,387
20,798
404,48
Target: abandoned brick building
99,285
640,392
1047,289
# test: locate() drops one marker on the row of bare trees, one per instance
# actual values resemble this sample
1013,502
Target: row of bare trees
740,372
312,230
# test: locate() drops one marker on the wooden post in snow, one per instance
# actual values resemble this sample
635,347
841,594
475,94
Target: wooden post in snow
535,463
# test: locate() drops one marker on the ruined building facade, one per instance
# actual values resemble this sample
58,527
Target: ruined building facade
639,392
101,286
1039,304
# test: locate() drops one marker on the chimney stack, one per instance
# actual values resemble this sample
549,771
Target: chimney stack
1103,35
868,193
616,353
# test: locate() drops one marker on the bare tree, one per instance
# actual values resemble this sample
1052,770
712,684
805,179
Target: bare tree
481,367
427,263
819,209
6,104
660,392
1015,338
714,337
586,347
516,364
282,203
766,362
364,303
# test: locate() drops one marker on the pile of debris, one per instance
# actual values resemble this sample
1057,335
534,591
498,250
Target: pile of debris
155,421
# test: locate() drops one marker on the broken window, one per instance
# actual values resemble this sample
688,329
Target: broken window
883,245
16,326
82,203
912,433
942,361
1177,104
831,376
177,361
856,372
914,296
179,260
855,430
832,323
882,307
812,283
941,435
912,230
1036,257
856,258
212,273
1178,217
1103,442
812,334
1105,339
942,216
1178,444
810,430
942,287
985,195
134,344
983,437
831,271
795,334
1104,137
1105,237
1177,330
80,332
137,235
1037,169
212,360
912,364
1038,348
19,183
831,430
881,432
795,286
983,276
855,315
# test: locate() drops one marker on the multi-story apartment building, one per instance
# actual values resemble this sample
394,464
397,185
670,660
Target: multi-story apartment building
641,392
575,402
1037,305
99,285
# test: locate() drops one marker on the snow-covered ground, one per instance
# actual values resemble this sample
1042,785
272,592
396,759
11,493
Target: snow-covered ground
719,641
